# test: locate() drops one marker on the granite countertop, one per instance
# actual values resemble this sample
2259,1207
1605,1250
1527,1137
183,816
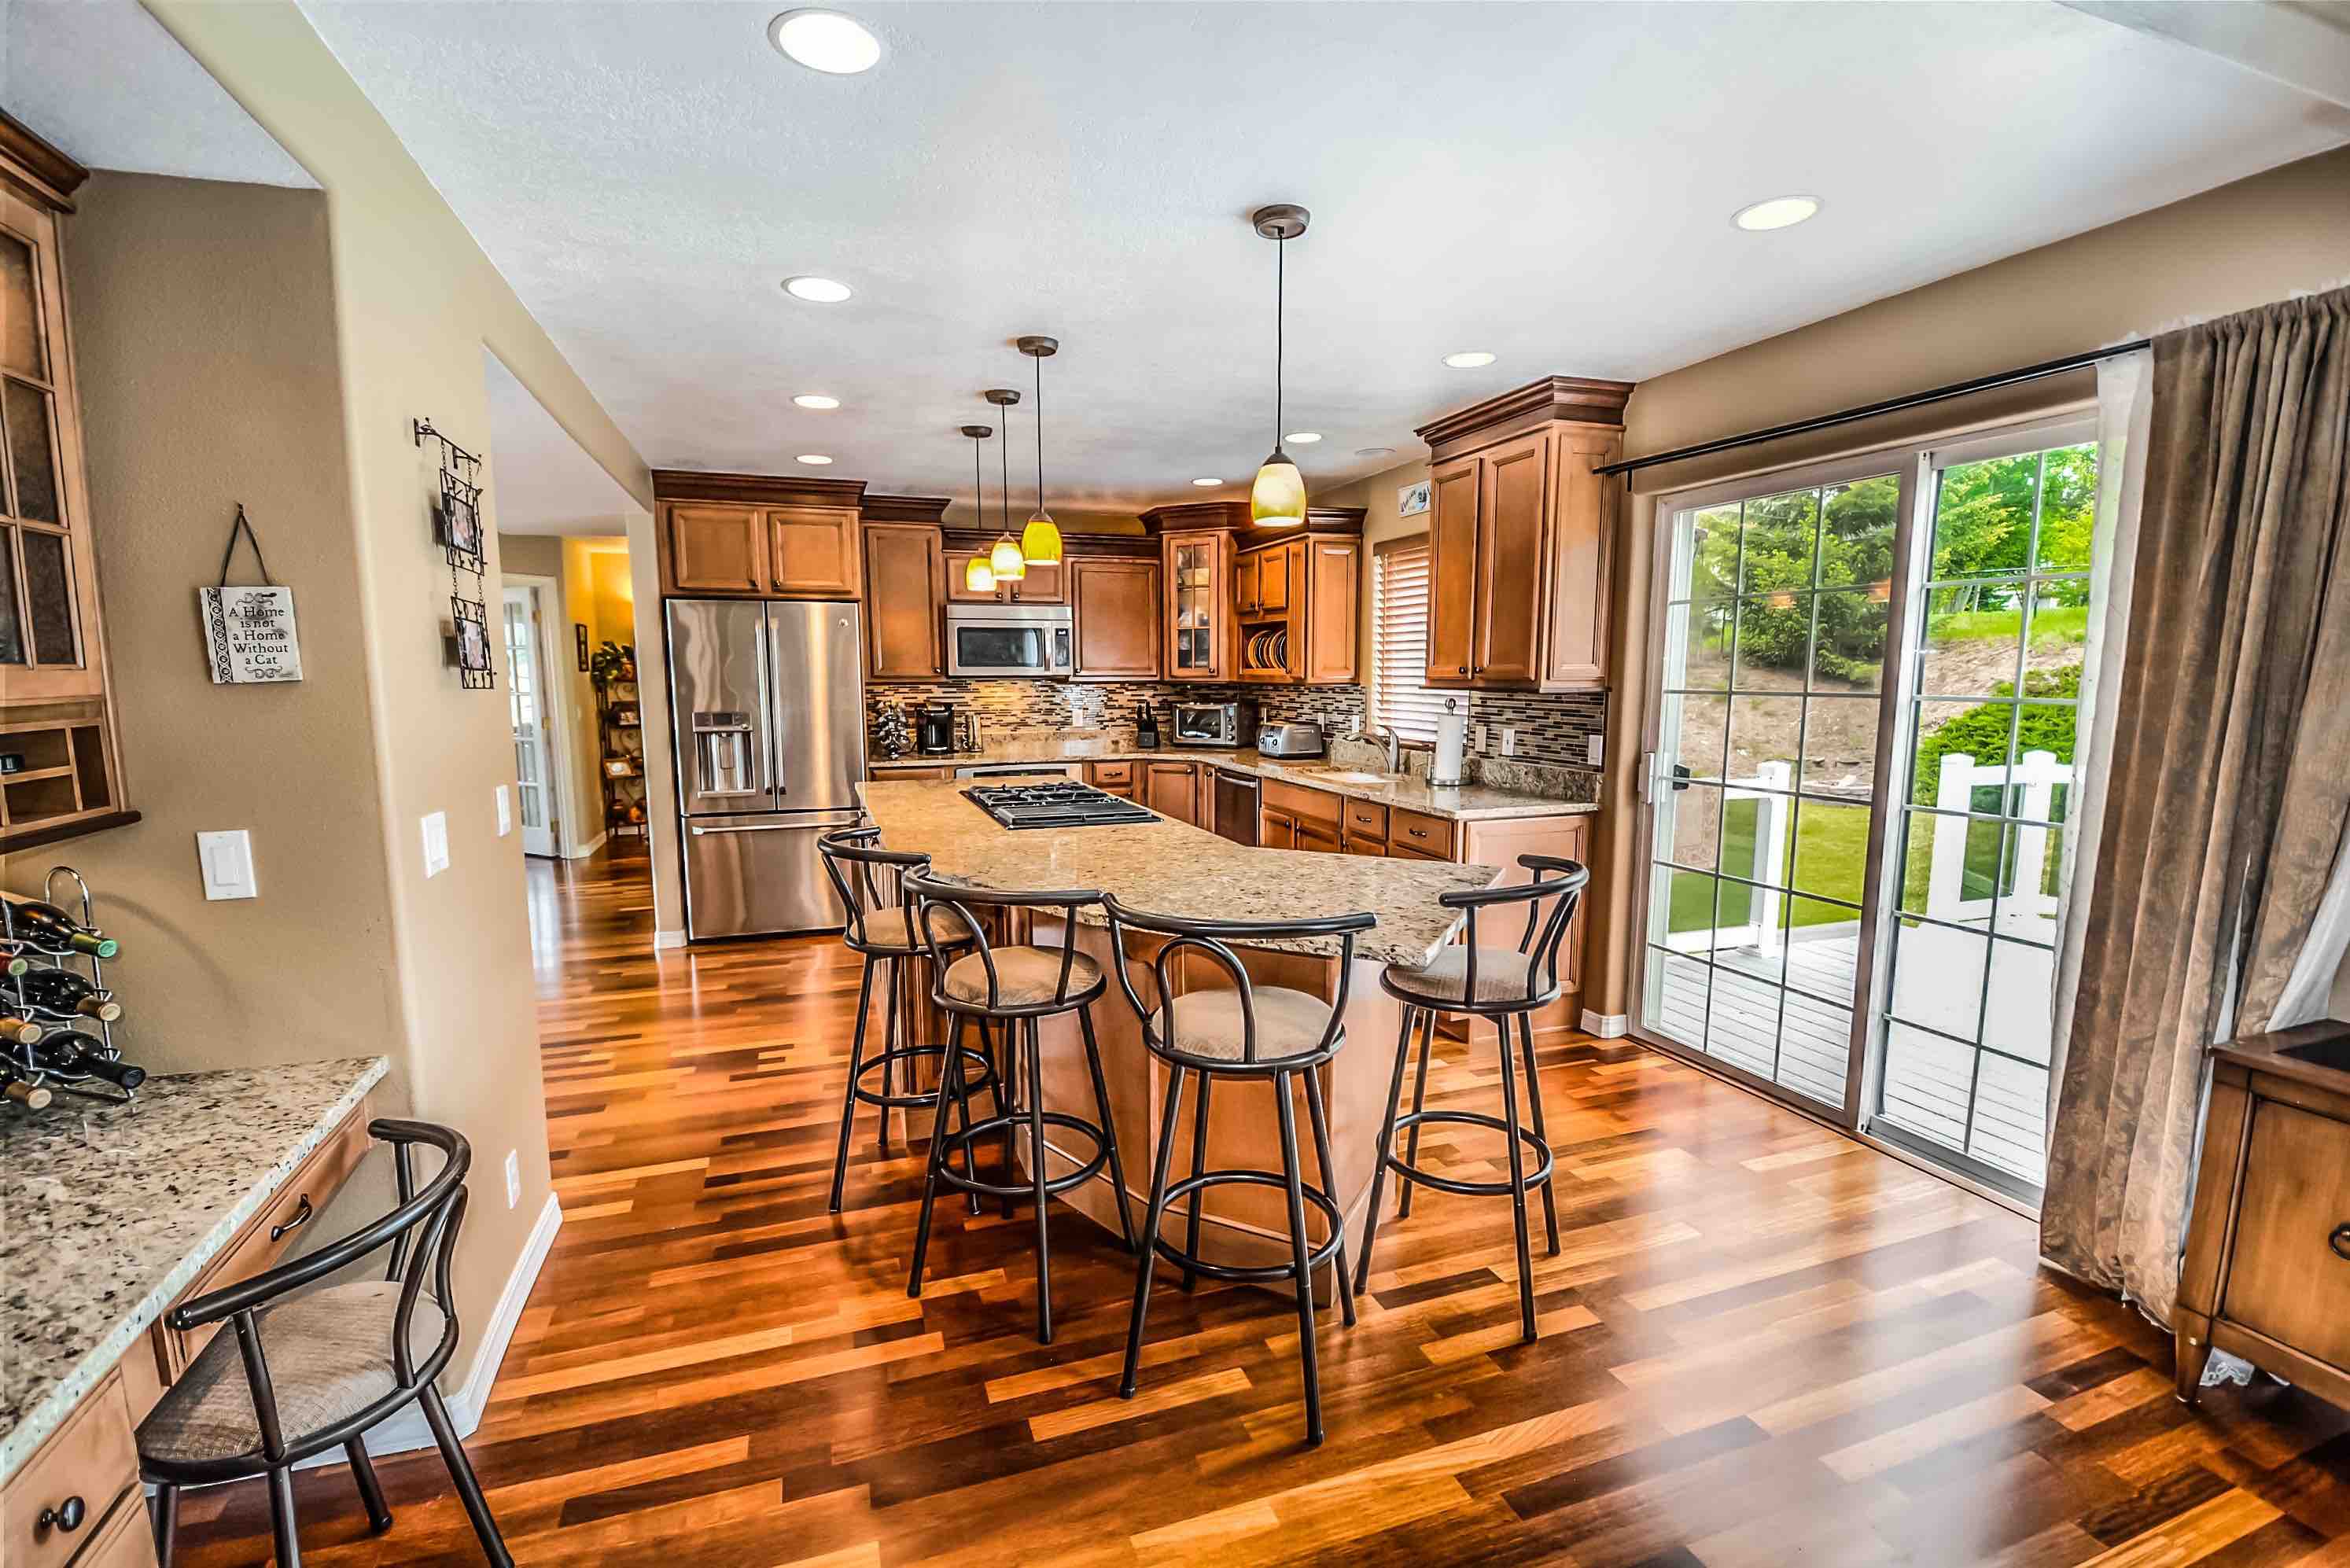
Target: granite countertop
1171,868
1466,802
111,1210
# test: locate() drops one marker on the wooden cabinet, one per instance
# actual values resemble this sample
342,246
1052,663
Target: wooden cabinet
1246,595
1197,568
91,1459
1297,606
1276,828
813,552
1115,605
1172,789
714,549
2267,1270
1112,778
886,771
905,595
1041,585
1331,588
1520,537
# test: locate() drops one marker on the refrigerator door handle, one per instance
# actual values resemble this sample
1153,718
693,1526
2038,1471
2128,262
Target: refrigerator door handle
699,831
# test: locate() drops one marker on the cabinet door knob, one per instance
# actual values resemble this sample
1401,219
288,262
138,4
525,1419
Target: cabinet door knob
1464,669
66,1518
2340,1240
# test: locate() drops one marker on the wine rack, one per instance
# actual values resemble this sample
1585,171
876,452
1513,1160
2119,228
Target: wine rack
24,1061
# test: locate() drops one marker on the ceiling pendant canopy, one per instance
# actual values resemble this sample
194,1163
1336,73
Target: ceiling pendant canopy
1004,557
1040,541
979,572
1277,499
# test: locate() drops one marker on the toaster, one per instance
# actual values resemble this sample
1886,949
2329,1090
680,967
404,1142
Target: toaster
1289,740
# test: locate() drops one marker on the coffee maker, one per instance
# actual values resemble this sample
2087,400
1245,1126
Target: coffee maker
934,730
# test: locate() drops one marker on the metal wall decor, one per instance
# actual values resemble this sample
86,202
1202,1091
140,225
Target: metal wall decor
457,524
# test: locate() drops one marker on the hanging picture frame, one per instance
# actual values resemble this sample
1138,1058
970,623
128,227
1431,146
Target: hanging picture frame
458,521
250,635
476,666
579,636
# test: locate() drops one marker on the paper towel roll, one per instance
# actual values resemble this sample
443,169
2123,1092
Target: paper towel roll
1452,739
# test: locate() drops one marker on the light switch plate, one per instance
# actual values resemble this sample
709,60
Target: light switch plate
513,1177
505,813
1508,741
228,861
1594,750
1479,743
436,844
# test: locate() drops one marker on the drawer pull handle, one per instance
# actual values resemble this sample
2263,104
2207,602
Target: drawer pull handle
1418,832
66,1518
2340,1240
302,1216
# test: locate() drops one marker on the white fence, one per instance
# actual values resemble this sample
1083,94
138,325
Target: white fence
2037,775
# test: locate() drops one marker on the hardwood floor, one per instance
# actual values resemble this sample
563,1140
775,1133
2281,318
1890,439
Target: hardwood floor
1762,1344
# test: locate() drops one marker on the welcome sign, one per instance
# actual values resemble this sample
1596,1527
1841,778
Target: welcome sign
249,634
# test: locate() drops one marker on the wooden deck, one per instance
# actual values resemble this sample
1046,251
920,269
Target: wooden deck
1762,1343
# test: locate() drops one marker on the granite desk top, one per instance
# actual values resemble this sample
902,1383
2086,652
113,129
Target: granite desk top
1173,868
1465,802
111,1210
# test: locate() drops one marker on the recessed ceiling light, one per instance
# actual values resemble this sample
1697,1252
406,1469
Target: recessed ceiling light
1469,360
816,290
1778,213
1303,438
825,41
1374,451
815,459
817,401
1207,484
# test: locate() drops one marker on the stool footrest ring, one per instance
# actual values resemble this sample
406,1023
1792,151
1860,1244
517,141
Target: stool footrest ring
1252,1274
1017,1121
985,1077
1534,1178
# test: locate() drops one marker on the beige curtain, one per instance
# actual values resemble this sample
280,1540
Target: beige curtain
2231,772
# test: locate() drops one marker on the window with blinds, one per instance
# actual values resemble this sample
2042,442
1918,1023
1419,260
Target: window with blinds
1399,640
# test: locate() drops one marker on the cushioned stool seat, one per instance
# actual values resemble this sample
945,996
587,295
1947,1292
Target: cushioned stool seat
1503,974
888,929
1024,977
1288,1024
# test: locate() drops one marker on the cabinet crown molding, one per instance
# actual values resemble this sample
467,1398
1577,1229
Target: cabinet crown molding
756,489
1232,517
931,509
45,172
1573,398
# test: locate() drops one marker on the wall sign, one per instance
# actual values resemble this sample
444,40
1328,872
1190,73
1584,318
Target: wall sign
1412,500
579,635
250,637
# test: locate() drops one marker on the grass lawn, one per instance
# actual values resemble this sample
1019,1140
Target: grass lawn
2057,623
1830,854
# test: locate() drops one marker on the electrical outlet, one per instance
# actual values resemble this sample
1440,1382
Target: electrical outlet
513,1177
1479,743
436,843
1508,741
1594,750
505,814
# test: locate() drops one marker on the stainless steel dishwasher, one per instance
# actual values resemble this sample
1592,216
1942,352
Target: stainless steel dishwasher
1236,806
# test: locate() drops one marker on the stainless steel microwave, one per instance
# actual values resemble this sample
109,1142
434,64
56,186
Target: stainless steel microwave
993,639
1230,725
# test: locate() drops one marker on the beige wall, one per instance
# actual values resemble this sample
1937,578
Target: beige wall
417,302
581,808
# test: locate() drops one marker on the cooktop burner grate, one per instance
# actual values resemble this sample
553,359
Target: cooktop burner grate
1055,805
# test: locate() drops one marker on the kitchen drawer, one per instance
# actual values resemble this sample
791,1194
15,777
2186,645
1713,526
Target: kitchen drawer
92,1456
270,1234
1363,819
1356,846
1406,852
1417,831
1316,805
125,1540
2286,1277
1110,775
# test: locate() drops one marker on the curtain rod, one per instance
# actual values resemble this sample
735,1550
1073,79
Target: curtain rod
1871,410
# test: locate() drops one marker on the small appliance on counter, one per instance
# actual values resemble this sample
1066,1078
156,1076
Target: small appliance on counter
934,730
1298,740
1231,726
1146,728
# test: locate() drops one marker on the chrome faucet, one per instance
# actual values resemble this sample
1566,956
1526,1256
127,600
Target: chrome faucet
1395,747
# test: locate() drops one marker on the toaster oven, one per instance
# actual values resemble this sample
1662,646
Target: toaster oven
1232,725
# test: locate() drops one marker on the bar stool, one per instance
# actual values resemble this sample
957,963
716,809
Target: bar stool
882,930
1502,984
1014,987
293,1377
1271,1033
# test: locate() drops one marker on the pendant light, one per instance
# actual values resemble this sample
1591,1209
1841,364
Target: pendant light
978,573
1004,557
1277,499
1040,541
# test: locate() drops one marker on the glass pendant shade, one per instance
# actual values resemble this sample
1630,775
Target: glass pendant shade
1040,541
978,577
1006,561
1277,500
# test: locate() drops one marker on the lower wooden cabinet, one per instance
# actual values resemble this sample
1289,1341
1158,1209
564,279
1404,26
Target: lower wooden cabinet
89,1469
1173,789
1114,605
1112,778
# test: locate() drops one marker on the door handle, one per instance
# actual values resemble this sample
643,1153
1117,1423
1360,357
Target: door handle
1680,777
699,831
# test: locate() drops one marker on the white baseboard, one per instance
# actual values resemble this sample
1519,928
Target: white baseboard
581,851
1607,1025
668,939
406,1431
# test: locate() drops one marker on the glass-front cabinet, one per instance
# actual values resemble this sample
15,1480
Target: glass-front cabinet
1198,638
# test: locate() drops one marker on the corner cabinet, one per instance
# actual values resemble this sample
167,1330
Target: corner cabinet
58,722
1521,534
905,595
1114,604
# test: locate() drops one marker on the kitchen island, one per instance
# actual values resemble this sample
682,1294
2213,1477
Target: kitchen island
1171,868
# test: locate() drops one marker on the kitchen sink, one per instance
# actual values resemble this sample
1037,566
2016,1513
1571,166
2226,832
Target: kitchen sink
1343,777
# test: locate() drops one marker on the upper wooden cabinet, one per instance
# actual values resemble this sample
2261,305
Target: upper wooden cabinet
1040,585
1114,602
905,590
758,535
814,551
1297,610
1198,610
1332,585
714,549
1520,536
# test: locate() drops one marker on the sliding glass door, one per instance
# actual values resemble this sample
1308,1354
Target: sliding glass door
1867,684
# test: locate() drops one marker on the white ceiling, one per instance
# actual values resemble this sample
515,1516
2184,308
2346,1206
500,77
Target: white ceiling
541,481
1552,182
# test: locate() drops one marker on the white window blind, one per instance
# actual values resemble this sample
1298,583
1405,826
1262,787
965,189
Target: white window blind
1399,640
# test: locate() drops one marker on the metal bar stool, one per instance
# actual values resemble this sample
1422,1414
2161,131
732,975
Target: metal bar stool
1014,987
1271,1033
882,930
1502,984
296,1377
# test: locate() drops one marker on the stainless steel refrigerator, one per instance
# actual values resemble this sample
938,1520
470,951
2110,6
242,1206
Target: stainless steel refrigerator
768,702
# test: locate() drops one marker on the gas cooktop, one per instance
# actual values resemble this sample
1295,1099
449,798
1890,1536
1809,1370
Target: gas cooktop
1056,805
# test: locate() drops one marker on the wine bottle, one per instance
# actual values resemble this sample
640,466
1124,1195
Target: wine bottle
22,1031
71,1054
16,962
32,1096
52,930
61,990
